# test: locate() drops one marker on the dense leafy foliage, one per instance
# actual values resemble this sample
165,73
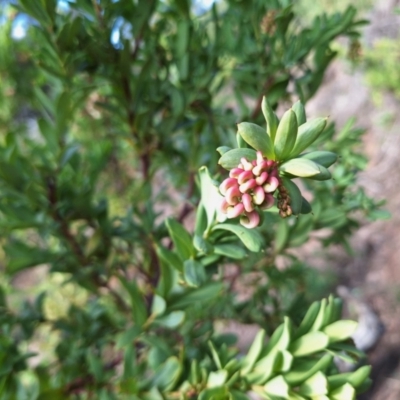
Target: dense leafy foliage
111,115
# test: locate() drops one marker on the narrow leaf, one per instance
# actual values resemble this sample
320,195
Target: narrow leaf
231,159
250,237
300,167
257,138
286,135
307,134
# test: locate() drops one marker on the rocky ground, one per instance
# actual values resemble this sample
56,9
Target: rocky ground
373,274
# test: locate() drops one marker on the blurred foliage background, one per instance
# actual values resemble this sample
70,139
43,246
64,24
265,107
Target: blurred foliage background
108,109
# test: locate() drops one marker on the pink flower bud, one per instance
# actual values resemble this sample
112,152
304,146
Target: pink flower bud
272,184
235,211
270,163
247,166
262,178
254,163
233,195
260,157
248,205
259,195
264,165
250,184
224,206
244,177
257,170
250,220
226,184
235,172
268,202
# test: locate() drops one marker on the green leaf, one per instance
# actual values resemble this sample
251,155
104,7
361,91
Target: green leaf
158,305
21,256
283,340
357,378
217,378
316,385
215,355
241,142
210,197
127,337
216,393
308,320
310,343
324,158
223,149
300,112
236,395
202,245
182,41
231,159
257,138
305,206
171,320
323,175
138,306
277,387
265,368
340,330
167,375
194,273
230,250
302,370
95,365
286,135
345,392
320,319
254,352
202,295
250,237
300,167
270,117
307,134
181,238
281,235
169,258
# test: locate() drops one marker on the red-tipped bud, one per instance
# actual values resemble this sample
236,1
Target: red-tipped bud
262,178
226,184
233,195
247,166
264,165
250,184
254,163
259,195
268,202
235,172
247,202
244,177
257,170
224,206
270,163
235,211
271,184
250,220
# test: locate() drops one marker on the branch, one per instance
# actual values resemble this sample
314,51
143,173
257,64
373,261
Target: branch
267,85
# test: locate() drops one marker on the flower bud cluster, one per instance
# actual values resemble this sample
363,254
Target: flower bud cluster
249,189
